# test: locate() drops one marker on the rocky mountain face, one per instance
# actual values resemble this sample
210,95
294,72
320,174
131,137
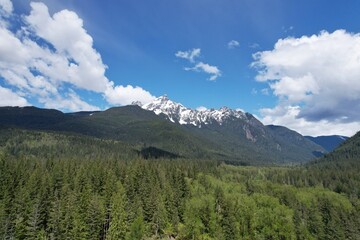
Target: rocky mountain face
238,131
177,113
210,118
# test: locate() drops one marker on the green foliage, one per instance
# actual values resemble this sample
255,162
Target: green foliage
118,224
137,229
56,186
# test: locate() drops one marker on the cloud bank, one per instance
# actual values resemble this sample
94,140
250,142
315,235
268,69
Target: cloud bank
49,58
316,79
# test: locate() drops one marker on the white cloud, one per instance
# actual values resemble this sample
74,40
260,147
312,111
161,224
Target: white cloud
233,44
52,56
320,73
201,109
9,98
71,102
6,7
204,67
199,66
127,95
189,55
296,89
64,30
289,116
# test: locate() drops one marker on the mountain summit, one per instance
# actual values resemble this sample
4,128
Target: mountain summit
178,113
238,133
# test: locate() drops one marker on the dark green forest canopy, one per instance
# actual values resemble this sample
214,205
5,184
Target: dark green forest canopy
63,186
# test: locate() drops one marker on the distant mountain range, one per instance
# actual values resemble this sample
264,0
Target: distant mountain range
226,134
345,156
329,143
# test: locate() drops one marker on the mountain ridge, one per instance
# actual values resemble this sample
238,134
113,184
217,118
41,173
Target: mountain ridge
176,112
225,134
330,142
230,127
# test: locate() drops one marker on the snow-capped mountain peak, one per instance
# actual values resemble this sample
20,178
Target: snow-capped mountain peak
178,113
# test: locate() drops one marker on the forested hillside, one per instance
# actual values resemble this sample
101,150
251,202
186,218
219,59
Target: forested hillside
236,140
328,142
61,186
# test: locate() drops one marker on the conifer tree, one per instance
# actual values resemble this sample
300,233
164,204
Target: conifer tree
118,216
137,229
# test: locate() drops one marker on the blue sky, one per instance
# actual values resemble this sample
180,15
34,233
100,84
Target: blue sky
140,43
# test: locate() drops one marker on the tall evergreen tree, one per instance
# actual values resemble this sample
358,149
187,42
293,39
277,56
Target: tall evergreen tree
118,216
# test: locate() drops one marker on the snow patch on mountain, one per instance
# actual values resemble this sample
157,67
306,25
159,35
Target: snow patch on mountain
178,113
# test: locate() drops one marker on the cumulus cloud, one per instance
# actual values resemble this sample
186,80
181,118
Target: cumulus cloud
64,30
48,53
286,115
9,98
206,68
233,44
71,102
6,7
190,55
125,95
320,73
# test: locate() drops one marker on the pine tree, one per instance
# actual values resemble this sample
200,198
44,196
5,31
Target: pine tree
118,216
95,217
159,219
55,217
137,229
33,221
